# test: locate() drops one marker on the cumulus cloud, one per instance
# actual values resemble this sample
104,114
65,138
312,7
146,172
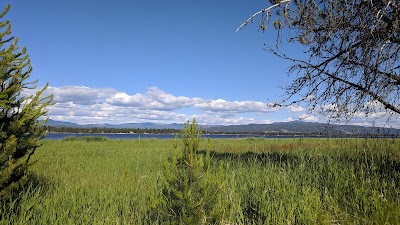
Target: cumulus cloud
378,116
221,105
289,119
82,104
79,94
213,119
105,105
154,98
378,119
296,109
137,100
308,118
106,113
168,99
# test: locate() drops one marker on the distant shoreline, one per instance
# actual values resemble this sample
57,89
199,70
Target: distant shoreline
61,135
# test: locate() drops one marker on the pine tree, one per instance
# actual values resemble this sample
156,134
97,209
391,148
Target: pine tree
189,193
20,128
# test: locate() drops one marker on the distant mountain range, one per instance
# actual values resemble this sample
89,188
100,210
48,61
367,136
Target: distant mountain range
303,127
294,127
55,123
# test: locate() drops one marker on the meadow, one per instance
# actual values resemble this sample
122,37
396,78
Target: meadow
263,181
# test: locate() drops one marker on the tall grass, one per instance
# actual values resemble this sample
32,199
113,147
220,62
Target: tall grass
95,183
264,181
346,181
85,138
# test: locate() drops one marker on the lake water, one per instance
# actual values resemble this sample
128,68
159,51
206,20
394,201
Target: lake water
60,136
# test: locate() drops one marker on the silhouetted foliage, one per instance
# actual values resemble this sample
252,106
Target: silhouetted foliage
350,62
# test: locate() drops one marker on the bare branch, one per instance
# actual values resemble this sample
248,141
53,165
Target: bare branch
266,10
351,54
356,86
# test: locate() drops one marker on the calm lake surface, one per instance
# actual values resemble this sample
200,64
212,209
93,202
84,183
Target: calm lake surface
60,136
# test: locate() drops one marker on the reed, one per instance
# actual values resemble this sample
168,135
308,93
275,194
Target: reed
265,181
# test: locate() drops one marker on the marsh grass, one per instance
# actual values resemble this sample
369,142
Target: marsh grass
265,181
320,181
86,138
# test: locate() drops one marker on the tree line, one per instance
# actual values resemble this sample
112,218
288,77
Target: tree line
99,130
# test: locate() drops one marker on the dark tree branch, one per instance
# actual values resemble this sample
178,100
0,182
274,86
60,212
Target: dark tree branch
351,53
356,86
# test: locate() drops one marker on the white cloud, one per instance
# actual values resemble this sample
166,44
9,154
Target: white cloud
82,104
154,98
308,118
79,94
221,105
296,109
378,119
378,116
137,100
310,98
373,115
168,99
106,113
213,119
290,119
98,105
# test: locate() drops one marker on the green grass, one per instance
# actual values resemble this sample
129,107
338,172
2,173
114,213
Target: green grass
85,138
265,181
321,182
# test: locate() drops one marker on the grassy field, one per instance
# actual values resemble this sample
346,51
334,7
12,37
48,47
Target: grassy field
264,181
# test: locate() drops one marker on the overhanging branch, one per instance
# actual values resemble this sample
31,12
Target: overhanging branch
374,95
266,10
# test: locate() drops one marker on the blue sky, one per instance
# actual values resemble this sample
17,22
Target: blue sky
153,61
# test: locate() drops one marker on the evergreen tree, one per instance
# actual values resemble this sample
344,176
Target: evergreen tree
20,129
189,193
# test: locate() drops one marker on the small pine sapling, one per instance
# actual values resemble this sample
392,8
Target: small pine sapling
189,196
